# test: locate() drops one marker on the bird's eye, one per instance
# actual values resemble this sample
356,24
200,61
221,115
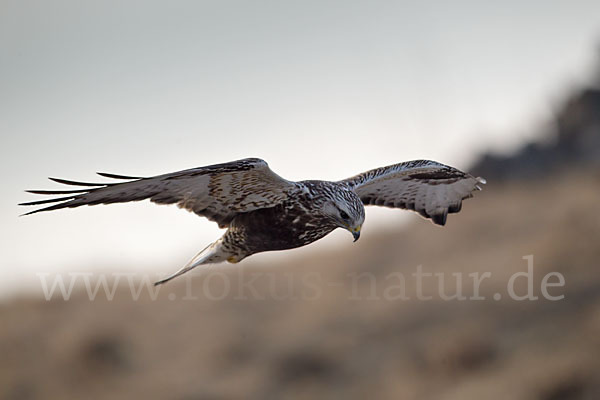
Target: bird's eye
344,215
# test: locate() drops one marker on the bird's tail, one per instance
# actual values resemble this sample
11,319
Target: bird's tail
211,254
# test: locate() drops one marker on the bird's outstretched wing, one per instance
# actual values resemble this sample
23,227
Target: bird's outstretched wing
218,192
427,187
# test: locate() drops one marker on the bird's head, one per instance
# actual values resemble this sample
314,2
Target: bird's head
346,210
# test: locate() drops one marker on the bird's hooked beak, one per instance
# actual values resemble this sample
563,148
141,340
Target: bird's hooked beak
356,232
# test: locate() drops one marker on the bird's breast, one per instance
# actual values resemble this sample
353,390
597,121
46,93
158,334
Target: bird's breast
281,227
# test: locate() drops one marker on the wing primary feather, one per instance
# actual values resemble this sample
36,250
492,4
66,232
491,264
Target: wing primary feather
38,202
115,176
455,207
57,191
52,207
439,219
74,183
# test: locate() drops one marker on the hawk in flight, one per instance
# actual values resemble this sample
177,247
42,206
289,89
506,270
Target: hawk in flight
264,212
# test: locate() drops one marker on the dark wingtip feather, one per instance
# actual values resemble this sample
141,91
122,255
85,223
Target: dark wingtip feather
57,191
439,219
455,207
74,183
29,213
52,207
39,202
115,176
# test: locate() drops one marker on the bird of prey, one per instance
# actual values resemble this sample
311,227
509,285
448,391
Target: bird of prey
264,212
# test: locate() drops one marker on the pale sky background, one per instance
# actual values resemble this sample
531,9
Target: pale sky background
319,89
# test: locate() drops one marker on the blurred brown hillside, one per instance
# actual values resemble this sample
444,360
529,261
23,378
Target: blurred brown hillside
573,141
341,334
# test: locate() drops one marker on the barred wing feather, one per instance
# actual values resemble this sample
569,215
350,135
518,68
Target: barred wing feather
218,192
430,188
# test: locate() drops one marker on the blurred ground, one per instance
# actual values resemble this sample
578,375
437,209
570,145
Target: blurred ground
332,326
